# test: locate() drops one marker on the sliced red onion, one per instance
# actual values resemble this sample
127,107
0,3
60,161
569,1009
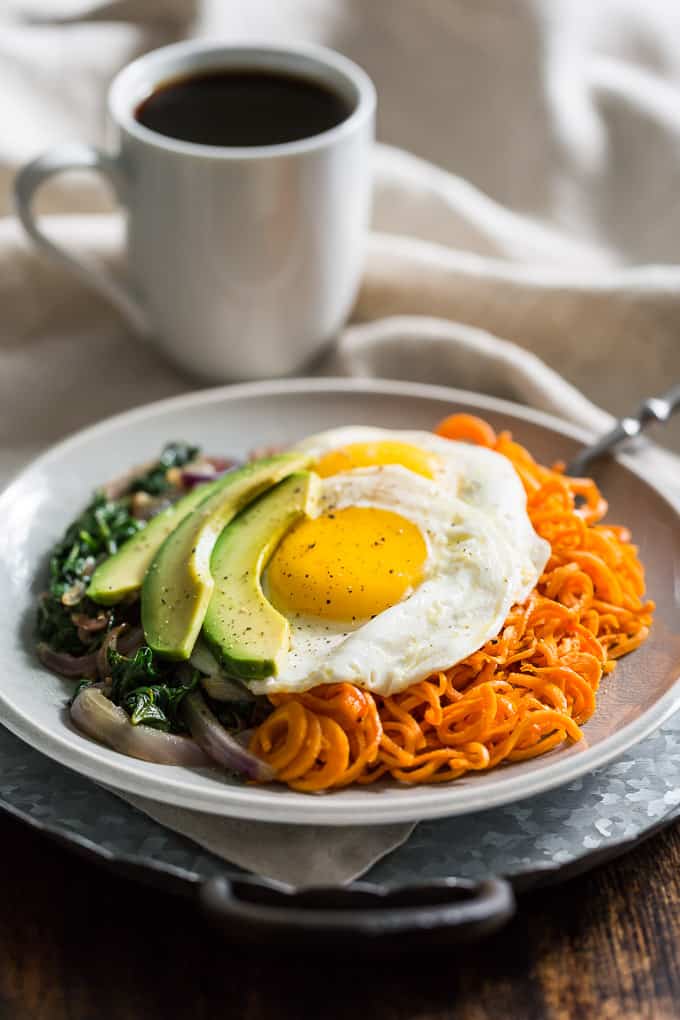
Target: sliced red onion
207,731
243,737
129,642
193,477
223,688
90,624
95,715
198,475
203,659
102,685
122,639
94,663
110,641
216,684
68,665
223,464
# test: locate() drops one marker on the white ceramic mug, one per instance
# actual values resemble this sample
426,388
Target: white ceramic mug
242,262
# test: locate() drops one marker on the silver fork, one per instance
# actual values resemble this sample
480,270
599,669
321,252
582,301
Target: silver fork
657,409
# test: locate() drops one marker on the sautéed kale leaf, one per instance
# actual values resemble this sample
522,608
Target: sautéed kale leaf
155,481
149,689
97,533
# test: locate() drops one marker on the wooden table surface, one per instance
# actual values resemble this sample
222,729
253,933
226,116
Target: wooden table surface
77,943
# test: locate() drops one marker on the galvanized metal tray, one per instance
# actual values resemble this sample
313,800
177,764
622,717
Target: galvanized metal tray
464,869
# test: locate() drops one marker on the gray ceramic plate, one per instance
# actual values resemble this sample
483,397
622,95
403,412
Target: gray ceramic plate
640,695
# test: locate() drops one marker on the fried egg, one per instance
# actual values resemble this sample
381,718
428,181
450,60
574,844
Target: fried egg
417,550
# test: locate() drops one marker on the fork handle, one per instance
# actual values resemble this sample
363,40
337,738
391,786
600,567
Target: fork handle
654,409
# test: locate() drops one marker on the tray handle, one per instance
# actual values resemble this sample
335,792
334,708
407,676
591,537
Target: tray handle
447,910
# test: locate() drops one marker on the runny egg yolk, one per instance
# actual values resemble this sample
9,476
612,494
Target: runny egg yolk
348,564
376,454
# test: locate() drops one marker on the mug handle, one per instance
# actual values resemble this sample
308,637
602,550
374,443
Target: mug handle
77,157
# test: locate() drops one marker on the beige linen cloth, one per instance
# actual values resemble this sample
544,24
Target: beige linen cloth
538,227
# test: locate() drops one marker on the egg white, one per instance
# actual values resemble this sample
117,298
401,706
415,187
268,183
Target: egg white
478,564
479,477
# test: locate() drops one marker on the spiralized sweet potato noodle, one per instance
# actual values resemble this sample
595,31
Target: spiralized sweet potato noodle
527,691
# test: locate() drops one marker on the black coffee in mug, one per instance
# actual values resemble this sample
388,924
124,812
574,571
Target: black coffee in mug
242,107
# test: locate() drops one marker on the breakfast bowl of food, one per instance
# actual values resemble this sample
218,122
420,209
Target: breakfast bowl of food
335,602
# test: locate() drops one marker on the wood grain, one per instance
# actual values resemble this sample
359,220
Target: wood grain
77,943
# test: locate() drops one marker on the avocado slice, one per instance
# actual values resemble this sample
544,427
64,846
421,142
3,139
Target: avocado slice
123,573
178,584
246,634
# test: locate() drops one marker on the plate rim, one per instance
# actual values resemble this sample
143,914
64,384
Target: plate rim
289,806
